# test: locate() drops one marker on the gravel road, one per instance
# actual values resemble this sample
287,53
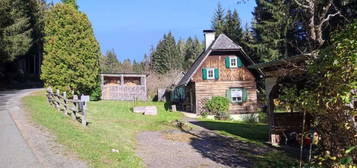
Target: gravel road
24,144
198,148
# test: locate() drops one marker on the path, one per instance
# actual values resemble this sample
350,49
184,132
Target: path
24,144
197,148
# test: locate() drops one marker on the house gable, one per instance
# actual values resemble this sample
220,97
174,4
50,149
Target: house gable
217,60
222,46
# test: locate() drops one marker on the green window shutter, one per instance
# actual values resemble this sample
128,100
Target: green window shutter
245,94
228,95
228,64
216,73
239,62
204,73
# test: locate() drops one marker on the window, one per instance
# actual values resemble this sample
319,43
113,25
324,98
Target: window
210,73
233,61
237,95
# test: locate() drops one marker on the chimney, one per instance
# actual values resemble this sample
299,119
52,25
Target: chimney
210,36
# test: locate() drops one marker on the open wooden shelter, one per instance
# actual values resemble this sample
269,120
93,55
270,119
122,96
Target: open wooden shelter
124,86
287,70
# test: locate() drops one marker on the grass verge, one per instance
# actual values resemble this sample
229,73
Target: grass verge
112,126
248,132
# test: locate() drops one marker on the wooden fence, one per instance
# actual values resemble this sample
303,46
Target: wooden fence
70,107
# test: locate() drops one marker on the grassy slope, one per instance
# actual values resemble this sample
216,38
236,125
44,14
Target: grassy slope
112,126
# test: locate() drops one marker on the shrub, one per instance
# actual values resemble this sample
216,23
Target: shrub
218,106
250,118
262,117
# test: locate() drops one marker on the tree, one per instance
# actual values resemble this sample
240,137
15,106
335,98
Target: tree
72,3
15,30
218,20
193,49
232,27
334,79
109,62
71,59
166,55
126,67
273,22
228,23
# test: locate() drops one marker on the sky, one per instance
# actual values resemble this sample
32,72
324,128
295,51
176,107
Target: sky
132,27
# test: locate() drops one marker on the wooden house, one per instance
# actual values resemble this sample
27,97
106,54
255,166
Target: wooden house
221,70
125,86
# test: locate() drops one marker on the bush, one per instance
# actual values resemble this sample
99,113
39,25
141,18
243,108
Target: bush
218,106
250,118
262,117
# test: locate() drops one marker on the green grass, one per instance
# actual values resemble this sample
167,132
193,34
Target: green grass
253,133
112,126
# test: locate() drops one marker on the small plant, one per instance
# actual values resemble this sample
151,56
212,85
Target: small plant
218,106
250,118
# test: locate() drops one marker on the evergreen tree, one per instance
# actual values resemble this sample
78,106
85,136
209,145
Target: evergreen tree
138,67
71,60
126,67
192,50
15,30
218,21
271,29
232,26
166,56
72,3
109,62
228,24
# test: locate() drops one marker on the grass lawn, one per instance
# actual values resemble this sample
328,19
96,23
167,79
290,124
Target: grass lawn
253,133
112,126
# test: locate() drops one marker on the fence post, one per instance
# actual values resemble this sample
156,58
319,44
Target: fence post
65,105
75,102
84,114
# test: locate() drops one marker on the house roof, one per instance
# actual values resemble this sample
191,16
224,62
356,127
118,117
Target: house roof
222,43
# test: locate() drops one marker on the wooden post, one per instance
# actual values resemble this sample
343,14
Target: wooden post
76,109
65,105
122,80
173,108
269,84
84,114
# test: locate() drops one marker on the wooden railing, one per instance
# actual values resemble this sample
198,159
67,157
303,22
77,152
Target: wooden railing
70,107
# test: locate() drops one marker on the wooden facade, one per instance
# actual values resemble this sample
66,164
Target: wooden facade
199,89
124,87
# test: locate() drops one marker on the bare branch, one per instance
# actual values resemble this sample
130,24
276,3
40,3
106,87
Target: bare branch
328,18
301,5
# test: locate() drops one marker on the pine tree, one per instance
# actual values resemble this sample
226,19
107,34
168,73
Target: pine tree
192,50
15,30
218,20
166,55
271,29
228,23
72,3
109,62
232,27
71,60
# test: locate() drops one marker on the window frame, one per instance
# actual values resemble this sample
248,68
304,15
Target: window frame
236,62
237,90
213,73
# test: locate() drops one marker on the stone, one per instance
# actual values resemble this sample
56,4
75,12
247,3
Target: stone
146,110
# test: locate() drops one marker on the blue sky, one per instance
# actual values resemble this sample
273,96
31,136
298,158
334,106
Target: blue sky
132,27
